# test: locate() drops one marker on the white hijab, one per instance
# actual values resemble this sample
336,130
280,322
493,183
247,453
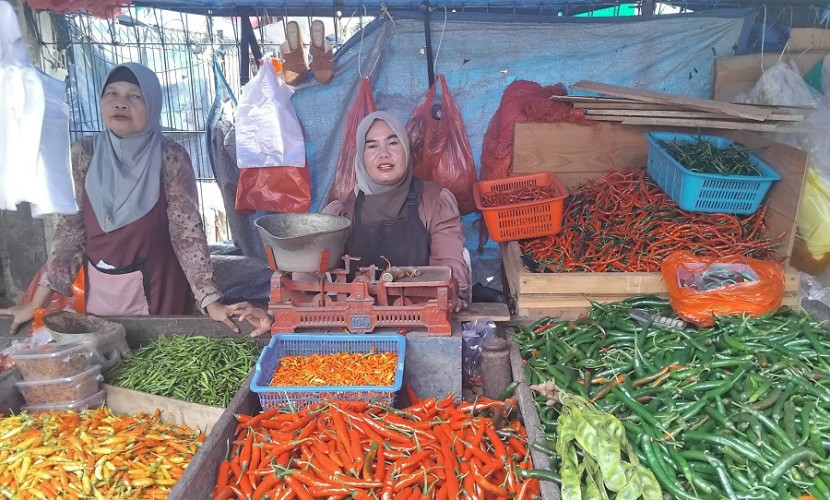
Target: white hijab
124,178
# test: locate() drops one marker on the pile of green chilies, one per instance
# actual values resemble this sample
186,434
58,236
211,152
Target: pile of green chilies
740,410
702,157
192,368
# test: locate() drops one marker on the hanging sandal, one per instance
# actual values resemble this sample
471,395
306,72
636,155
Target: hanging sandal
321,53
294,65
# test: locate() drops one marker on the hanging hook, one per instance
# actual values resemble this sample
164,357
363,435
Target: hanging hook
360,46
441,39
763,35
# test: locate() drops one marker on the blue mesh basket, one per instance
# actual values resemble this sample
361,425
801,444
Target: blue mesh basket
296,397
695,192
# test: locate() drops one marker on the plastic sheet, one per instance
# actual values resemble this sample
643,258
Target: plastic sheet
814,214
473,335
345,178
751,296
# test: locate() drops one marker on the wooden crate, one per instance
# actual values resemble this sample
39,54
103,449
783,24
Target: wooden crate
576,154
173,411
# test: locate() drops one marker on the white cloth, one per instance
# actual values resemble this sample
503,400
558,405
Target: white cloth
55,187
34,129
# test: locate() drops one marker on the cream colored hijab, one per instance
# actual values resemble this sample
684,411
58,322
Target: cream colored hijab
381,202
124,178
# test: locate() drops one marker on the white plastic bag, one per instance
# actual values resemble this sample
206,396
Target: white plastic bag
780,85
55,192
268,132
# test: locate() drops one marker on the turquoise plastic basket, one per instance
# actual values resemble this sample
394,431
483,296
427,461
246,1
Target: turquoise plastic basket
296,397
732,194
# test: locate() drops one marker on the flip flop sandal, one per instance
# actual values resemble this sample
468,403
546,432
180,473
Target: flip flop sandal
321,53
294,65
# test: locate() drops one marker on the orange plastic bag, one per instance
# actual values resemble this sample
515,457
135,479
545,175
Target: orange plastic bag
345,178
273,189
440,148
703,287
58,302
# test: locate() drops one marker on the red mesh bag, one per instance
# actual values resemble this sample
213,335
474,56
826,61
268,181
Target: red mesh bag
522,102
97,8
345,178
439,146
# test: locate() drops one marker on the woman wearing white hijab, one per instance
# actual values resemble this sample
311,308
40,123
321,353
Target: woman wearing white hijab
409,221
138,233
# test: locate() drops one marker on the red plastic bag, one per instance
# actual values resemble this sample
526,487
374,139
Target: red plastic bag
273,189
345,178
702,287
439,146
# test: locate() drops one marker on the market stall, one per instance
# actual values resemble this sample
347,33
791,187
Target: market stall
657,348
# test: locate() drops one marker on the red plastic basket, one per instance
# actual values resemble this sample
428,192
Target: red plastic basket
522,220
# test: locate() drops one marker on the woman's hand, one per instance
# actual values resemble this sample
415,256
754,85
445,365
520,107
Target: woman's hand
20,315
222,313
257,317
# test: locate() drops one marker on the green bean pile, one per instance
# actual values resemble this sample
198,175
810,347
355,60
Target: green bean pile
703,157
192,368
740,410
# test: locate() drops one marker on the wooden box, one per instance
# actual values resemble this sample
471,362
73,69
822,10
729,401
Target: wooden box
173,411
577,153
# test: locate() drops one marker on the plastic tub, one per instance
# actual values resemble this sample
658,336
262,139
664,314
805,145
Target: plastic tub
51,361
96,400
109,338
61,390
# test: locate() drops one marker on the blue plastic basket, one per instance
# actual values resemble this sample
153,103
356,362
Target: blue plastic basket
732,194
296,397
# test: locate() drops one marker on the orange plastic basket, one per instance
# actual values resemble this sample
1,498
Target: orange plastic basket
522,220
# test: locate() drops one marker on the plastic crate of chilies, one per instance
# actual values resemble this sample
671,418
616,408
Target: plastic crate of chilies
296,397
702,192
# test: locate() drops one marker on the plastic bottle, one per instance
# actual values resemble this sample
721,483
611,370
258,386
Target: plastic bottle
495,366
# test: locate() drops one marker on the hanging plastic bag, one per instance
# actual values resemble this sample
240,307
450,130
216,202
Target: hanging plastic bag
270,148
702,287
814,214
273,189
57,302
268,132
345,178
440,148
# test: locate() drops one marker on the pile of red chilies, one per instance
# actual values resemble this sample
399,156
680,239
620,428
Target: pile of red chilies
623,221
433,449
514,196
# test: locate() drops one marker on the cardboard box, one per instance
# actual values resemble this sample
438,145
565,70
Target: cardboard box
738,74
577,153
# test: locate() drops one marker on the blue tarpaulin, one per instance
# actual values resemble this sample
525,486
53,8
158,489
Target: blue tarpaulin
480,58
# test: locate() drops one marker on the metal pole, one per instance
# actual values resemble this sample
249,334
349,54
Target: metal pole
428,37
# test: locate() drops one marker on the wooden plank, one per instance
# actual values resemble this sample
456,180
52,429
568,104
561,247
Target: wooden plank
808,39
173,411
782,200
576,153
718,124
784,117
738,74
741,110
494,311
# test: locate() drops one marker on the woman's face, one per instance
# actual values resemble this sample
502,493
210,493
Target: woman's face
384,154
123,109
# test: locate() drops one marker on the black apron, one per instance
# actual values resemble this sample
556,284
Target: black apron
404,241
